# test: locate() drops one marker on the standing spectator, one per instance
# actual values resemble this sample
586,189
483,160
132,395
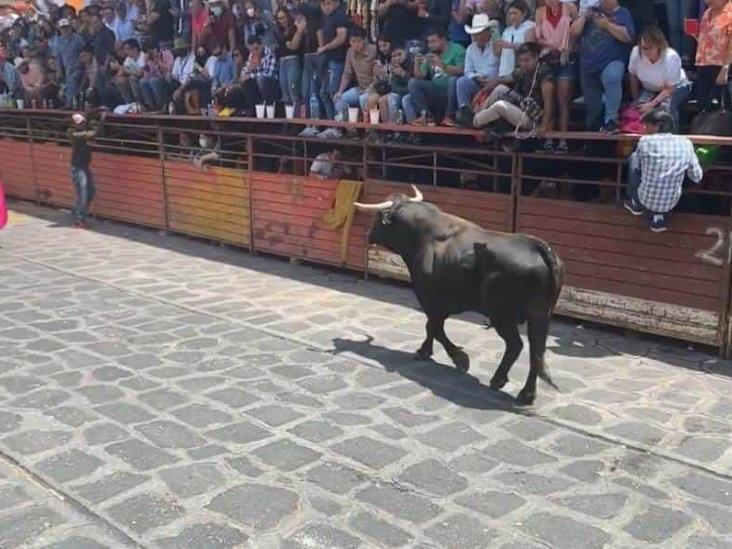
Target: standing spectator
256,22
154,83
10,82
259,75
102,40
434,14
553,34
481,67
656,76
181,12
312,62
108,16
290,41
606,35
89,75
124,24
456,29
80,133
359,68
32,79
127,80
334,38
399,20
519,29
220,27
199,22
16,40
161,22
657,169
714,52
68,48
428,89
528,102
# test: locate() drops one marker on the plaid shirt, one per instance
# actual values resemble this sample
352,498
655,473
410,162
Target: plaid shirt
265,67
664,161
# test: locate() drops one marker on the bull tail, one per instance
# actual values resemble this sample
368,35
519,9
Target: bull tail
544,374
556,274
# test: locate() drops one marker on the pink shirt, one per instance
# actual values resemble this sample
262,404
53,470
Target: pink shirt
555,38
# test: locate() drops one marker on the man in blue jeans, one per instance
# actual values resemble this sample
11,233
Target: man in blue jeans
334,34
607,33
80,133
657,169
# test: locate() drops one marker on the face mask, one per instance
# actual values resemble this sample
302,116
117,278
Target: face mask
216,10
203,142
235,10
250,12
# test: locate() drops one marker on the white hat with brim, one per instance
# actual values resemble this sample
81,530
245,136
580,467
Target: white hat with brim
63,23
78,118
480,23
19,61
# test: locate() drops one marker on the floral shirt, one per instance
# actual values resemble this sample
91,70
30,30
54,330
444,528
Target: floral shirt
715,35
160,66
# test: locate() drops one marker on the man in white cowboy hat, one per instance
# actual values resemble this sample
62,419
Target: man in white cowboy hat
481,66
80,132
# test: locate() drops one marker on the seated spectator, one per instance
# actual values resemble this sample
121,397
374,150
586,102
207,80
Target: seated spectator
358,70
180,76
327,165
389,97
481,67
290,44
128,75
519,29
552,33
10,82
525,99
154,83
68,48
428,89
657,169
656,76
221,26
605,38
197,91
334,33
199,22
713,53
258,22
258,81
55,84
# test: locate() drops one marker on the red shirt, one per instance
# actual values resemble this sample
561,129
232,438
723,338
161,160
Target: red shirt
219,28
198,24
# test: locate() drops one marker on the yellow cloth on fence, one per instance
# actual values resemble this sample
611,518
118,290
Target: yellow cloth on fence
342,211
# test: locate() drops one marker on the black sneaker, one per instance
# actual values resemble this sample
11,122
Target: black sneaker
633,207
659,223
464,117
610,127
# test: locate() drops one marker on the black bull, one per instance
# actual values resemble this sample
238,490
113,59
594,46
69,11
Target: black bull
456,266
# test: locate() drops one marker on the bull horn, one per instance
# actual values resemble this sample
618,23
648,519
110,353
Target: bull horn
374,207
417,195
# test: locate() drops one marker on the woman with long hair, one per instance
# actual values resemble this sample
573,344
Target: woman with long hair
289,35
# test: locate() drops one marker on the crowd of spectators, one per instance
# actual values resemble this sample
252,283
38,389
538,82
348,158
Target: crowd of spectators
496,64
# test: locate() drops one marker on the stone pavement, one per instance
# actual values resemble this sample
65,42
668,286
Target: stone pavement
157,391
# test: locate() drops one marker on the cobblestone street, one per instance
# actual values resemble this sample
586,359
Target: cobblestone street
157,391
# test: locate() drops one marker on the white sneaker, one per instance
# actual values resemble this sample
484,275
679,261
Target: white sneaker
331,133
309,131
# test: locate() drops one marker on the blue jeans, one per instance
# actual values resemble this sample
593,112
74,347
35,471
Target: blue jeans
72,84
465,89
312,68
291,81
350,98
153,92
331,78
424,95
603,91
85,190
676,12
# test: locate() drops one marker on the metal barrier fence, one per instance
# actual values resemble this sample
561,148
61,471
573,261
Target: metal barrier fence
259,195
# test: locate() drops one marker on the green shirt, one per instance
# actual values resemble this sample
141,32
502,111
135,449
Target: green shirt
453,56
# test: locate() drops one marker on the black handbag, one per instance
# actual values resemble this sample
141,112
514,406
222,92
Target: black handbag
713,122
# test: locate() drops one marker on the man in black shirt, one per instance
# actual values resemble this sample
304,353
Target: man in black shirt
162,23
80,133
334,40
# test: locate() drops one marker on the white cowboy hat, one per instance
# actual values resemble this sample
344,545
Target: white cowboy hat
78,118
480,22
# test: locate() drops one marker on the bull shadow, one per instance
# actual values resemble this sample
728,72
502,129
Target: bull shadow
443,380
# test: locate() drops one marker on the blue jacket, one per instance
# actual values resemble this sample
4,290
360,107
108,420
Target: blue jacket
224,71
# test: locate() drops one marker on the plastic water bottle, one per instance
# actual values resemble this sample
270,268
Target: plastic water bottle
393,107
314,104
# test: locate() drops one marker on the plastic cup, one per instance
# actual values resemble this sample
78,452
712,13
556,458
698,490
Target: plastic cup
289,111
270,111
374,116
21,104
353,115
260,110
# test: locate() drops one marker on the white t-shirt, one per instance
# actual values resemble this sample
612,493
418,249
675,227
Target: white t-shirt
135,64
322,165
667,71
211,65
513,35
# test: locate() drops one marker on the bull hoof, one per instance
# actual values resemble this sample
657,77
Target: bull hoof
525,398
498,383
461,360
422,355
